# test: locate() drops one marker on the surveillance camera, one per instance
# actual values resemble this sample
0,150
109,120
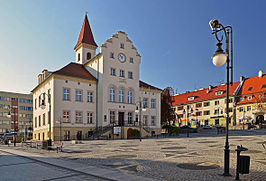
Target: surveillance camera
214,23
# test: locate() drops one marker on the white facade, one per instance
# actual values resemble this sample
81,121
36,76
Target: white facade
116,92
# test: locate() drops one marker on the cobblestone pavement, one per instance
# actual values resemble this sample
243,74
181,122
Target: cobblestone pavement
181,158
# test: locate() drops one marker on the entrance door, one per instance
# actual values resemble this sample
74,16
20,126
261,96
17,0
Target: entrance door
121,118
79,135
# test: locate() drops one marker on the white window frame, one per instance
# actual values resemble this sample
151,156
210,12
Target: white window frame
79,118
130,97
153,103
112,94
130,75
112,117
89,118
121,73
66,116
121,95
78,96
130,118
112,72
145,102
89,96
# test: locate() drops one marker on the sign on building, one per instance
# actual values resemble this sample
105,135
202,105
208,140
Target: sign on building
117,130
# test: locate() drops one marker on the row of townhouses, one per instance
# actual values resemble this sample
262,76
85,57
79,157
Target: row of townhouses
15,112
98,92
207,106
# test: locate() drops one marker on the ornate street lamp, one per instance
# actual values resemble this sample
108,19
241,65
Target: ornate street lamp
219,59
49,116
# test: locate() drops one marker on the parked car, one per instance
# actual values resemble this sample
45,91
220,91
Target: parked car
207,127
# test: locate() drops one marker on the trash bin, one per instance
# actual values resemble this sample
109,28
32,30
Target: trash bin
45,144
244,162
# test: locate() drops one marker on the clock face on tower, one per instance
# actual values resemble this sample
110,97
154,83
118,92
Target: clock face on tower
121,57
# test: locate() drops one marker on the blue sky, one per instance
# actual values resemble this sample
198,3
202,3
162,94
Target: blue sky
173,38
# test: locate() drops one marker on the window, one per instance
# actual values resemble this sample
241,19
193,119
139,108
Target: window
130,75
250,88
78,117
263,86
206,112
78,95
35,123
79,57
241,109
122,73
112,117
216,103
35,103
153,103
248,108
219,93
230,110
121,45
198,113
25,108
216,111
191,98
137,118
112,72
242,99
249,98
40,99
145,120
88,55
206,104
43,119
89,97
199,105
145,102
66,116
89,118
180,108
112,94
131,60
111,55
121,95
66,96
153,120
129,97
39,121
217,122
130,118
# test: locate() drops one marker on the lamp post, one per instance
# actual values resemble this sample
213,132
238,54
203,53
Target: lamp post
140,111
219,59
49,115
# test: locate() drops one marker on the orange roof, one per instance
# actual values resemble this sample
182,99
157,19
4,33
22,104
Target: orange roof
204,94
86,35
252,86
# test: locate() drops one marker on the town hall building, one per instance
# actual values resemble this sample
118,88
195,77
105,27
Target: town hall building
98,95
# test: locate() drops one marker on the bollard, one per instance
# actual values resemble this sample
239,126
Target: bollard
242,163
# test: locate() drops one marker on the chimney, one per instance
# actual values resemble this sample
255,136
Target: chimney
260,74
44,73
242,78
210,87
39,78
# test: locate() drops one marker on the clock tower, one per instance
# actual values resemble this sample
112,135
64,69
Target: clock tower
86,47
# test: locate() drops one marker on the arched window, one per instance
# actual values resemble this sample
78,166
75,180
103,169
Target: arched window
129,97
121,95
88,55
112,94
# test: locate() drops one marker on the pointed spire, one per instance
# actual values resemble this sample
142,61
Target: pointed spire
86,35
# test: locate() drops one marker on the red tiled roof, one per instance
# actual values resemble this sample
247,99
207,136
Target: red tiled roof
75,70
86,35
201,95
256,83
148,86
